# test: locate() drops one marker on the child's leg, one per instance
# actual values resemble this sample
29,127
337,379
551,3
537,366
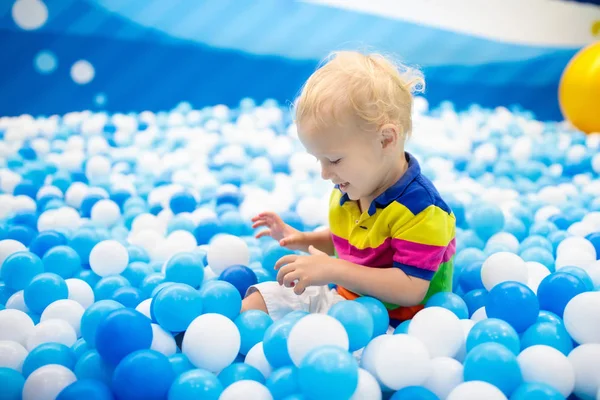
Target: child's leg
254,301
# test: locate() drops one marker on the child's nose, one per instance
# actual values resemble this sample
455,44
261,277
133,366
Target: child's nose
326,173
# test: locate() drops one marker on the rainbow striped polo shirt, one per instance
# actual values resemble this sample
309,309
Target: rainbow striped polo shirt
408,226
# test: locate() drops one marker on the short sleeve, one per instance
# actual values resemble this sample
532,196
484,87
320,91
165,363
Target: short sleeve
425,242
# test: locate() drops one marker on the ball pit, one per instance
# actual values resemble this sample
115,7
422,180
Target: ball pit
126,249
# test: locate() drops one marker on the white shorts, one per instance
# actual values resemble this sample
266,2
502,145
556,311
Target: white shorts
281,300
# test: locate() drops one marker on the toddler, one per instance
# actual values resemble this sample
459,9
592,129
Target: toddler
392,233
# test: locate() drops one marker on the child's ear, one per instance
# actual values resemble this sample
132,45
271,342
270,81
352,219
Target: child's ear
390,135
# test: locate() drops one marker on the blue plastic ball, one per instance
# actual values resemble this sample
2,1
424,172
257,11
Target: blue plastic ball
514,303
450,301
414,393
19,269
79,348
475,299
185,268
381,317
91,366
283,382
486,220
12,383
143,375
46,241
222,298
176,306
536,391
107,286
196,384
86,389
92,317
239,372
557,289
180,363
252,325
495,364
582,275
62,260
128,296
496,331
207,229
182,202
548,334
357,320
43,290
470,277
328,372
275,342
402,328
48,353
122,332
239,276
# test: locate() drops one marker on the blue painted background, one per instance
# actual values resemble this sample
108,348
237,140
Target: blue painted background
154,54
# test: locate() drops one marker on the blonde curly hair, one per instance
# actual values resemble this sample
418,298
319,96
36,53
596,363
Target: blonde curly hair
375,88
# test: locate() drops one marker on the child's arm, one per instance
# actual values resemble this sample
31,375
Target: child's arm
290,237
390,285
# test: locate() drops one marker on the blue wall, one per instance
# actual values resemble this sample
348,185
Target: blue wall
153,54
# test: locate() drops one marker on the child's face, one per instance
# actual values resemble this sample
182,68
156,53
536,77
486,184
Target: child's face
350,156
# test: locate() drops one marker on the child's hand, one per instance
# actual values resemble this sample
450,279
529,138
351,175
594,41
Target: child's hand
287,236
301,272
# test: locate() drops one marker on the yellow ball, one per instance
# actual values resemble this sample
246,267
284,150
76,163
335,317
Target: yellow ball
579,89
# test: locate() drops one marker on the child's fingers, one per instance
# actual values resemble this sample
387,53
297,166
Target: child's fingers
285,270
285,260
288,279
259,224
266,232
300,286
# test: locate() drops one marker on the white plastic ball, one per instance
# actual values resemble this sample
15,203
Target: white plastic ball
12,355
80,291
397,361
545,364
582,319
466,325
147,221
45,383
367,388
479,315
476,390
544,213
246,389
75,194
212,341
536,272
144,308
105,212
505,239
315,330
67,310
15,325
446,374
575,244
17,301
109,257
163,341
256,358
51,330
585,360
439,329
225,251
502,267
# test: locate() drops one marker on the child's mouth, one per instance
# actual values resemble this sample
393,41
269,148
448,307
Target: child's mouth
344,186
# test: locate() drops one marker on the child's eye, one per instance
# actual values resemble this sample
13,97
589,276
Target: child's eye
336,161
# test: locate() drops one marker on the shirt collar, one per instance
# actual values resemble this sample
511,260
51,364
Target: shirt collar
394,191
